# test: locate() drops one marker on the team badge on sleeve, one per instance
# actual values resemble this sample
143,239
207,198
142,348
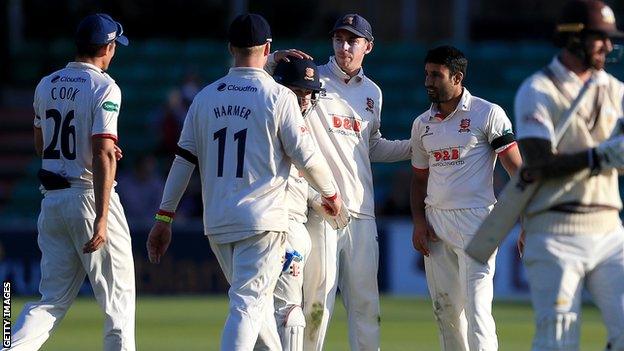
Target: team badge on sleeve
110,106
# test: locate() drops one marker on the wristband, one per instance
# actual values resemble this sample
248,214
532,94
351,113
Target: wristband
164,216
331,198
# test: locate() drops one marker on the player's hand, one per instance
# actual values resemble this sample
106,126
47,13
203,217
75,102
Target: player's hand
99,236
283,55
337,222
520,243
611,152
118,153
421,237
158,241
332,205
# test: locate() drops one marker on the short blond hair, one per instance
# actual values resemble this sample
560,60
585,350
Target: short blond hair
247,51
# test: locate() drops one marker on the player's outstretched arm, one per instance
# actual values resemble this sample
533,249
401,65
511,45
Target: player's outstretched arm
283,55
179,176
104,168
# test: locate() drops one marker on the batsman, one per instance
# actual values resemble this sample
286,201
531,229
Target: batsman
572,225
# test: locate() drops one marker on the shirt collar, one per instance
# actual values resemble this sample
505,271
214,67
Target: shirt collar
338,72
566,76
85,65
248,71
464,104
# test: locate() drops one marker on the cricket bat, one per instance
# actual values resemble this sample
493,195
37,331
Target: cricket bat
515,197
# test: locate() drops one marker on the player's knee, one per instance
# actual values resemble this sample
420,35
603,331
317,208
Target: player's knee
557,331
445,311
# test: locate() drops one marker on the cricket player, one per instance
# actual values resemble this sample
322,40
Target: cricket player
574,235
301,76
455,145
242,131
347,132
82,227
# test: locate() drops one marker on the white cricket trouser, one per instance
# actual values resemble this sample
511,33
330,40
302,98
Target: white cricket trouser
252,267
65,224
556,266
461,288
288,290
347,259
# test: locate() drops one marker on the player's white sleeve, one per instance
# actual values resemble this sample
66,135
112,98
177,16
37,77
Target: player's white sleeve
177,181
299,145
420,157
384,150
498,130
107,103
533,119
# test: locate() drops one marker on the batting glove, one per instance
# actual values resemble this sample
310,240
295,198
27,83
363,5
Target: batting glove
338,221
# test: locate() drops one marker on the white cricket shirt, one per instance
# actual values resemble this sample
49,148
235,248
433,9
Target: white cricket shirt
345,125
539,107
460,152
244,130
71,106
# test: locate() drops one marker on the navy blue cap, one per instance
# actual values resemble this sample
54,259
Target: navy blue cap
100,29
355,24
298,73
249,30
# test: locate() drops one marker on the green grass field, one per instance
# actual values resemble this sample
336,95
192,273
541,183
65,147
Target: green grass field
194,323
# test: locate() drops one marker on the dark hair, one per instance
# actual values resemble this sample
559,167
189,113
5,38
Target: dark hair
449,56
88,50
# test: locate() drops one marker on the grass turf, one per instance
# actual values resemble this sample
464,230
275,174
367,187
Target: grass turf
194,323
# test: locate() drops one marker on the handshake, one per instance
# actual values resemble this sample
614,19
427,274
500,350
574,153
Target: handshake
332,209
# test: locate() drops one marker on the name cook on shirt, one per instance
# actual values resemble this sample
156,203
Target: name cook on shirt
65,93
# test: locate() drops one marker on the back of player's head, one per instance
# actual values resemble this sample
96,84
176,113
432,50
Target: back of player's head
96,31
298,73
249,30
355,24
449,56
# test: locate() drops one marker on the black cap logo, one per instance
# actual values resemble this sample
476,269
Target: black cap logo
348,20
221,87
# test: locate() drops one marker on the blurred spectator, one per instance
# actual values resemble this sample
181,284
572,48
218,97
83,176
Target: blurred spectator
140,190
169,120
190,87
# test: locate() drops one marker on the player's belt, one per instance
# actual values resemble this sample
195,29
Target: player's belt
52,181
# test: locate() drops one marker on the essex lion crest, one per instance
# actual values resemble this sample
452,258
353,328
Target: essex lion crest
370,105
464,125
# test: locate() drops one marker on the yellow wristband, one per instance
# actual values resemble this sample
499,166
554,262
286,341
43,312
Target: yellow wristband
163,218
